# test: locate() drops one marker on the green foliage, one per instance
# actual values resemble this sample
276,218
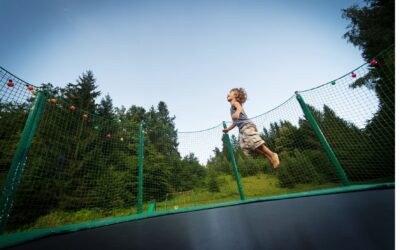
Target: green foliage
219,162
249,166
189,174
87,166
371,27
259,186
296,169
83,94
106,108
12,118
213,185
285,178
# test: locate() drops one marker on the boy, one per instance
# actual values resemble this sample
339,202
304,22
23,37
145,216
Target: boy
249,139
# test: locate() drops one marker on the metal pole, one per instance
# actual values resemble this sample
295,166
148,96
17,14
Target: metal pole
18,163
310,118
235,169
140,175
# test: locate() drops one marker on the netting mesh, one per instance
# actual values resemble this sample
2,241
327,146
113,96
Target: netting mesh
79,167
15,103
182,170
304,164
356,115
82,167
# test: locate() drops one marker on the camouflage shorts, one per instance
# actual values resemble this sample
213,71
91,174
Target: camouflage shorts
249,139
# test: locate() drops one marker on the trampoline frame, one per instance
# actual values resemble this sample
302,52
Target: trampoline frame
12,239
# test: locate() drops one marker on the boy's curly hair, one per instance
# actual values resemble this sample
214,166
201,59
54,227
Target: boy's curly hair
241,94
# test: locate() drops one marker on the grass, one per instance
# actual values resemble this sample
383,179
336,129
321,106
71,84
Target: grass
261,185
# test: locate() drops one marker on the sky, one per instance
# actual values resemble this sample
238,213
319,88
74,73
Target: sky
186,53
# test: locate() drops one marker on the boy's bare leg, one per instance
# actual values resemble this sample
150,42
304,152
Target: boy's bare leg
273,157
266,149
263,153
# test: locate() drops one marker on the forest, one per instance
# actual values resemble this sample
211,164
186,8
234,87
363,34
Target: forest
86,157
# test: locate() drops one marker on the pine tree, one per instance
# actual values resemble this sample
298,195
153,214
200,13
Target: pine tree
83,94
213,185
371,29
372,26
106,108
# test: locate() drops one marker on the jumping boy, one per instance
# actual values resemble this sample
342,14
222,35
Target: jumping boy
249,139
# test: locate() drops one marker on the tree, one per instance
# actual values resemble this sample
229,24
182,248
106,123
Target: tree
106,108
136,114
213,185
189,174
219,162
235,144
287,137
83,94
371,27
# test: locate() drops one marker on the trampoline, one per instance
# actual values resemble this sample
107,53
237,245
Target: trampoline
362,219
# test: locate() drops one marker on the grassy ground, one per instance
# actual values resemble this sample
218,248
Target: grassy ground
254,186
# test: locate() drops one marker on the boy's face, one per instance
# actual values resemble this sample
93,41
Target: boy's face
231,96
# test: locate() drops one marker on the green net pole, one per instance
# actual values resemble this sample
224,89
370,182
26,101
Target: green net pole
18,163
310,118
235,168
140,175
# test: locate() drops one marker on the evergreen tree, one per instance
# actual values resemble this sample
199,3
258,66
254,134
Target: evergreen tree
213,185
83,94
219,162
135,115
372,30
189,174
371,27
106,108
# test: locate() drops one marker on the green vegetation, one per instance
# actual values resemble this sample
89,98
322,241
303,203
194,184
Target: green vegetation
83,161
372,30
81,164
259,185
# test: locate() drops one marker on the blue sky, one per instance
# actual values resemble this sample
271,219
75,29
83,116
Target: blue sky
186,53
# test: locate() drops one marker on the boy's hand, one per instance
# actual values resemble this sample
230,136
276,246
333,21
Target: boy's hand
229,128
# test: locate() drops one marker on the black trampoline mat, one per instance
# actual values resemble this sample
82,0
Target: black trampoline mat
352,220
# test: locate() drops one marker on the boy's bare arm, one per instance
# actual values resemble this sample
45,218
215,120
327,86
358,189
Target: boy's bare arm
229,128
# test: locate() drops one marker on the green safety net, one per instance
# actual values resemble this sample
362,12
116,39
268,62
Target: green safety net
15,104
79,167
82,167
356,114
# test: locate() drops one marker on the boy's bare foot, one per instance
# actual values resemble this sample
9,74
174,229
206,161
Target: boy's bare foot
275,160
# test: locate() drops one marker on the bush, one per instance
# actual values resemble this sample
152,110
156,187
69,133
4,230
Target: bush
297,169
213,185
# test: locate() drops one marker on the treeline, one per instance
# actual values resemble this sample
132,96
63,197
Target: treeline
84,154
88,158
303,157
79,162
